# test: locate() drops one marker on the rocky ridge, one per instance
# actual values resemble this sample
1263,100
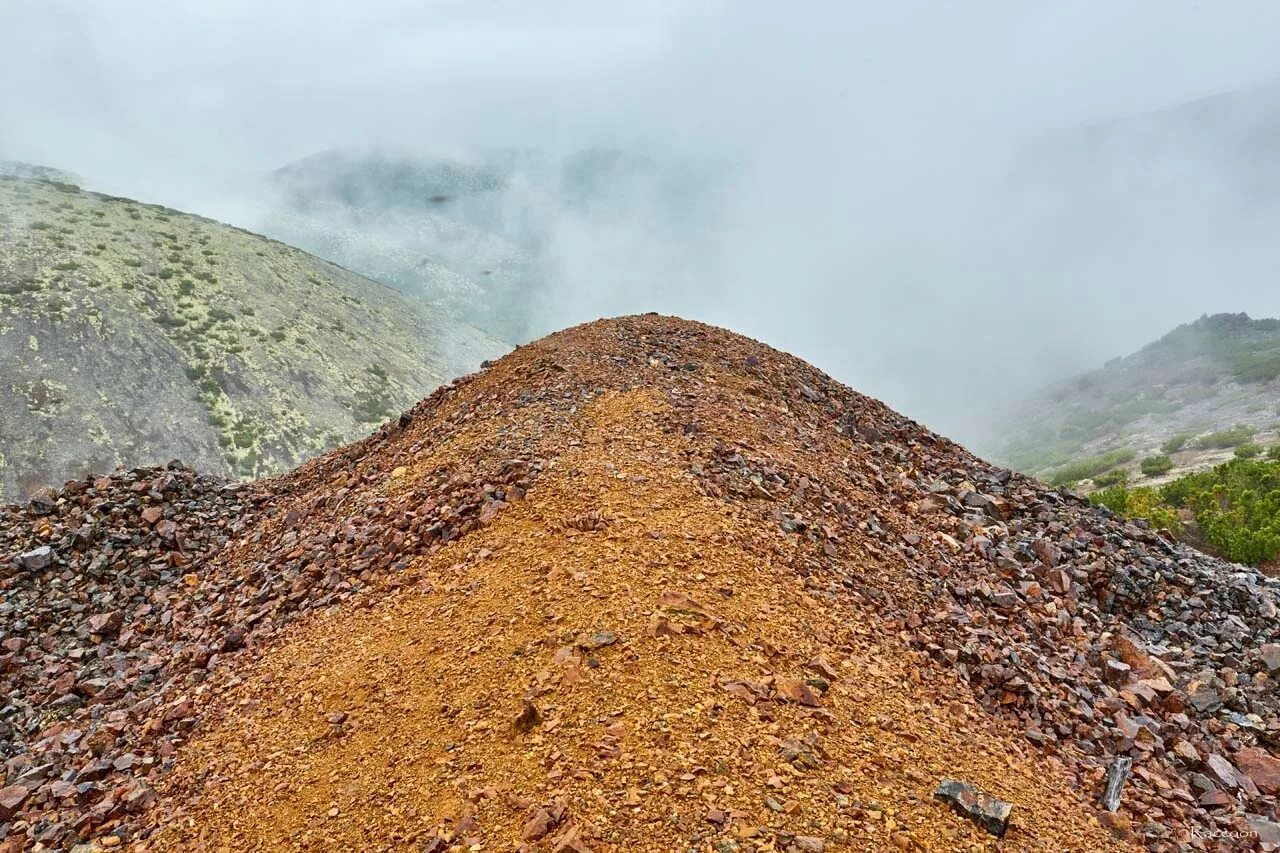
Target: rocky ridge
643,582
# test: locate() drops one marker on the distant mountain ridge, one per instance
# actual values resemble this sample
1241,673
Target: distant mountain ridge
1219,373
133,334
484,237
18,169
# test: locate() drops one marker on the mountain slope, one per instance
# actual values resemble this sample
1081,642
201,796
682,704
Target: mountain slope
433,228
1178,396
131,333
503,239
643,585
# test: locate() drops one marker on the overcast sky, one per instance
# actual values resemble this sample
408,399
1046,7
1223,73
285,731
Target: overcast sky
871,226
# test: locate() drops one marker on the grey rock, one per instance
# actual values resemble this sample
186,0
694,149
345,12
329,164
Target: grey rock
983,809
1117,773
37,559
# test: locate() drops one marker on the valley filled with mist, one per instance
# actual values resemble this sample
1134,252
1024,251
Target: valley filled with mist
950,234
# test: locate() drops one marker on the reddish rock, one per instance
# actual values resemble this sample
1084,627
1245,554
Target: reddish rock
105,623
797,691
537,826
1260,766
11,799
1221,771
1115,672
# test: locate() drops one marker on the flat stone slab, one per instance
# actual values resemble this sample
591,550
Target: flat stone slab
983,809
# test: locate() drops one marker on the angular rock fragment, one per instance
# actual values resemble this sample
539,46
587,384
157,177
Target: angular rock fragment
983,809
528,718
11,799
1115,672
36,559
1117,773
1261,767
1221,771
598,640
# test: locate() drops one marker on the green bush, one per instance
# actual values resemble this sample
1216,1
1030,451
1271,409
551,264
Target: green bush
1154,466
1248,451
1232,437
1117,477
1176,442
1273,452
1144,502
1236,506
1091,467
1257,366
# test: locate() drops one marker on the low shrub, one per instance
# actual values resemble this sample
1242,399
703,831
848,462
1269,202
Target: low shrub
1231,437
1117,477
1090,468
1154,466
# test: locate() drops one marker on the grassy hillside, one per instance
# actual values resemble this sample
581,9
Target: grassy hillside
132,334
1190,400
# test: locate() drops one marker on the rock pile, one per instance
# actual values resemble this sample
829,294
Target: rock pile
101,632
649,518
114,609
1098,636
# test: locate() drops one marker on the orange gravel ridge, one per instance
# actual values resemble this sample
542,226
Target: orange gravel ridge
647,585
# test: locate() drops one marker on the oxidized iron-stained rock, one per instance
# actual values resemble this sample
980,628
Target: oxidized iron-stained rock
159,580
983,809
1261,767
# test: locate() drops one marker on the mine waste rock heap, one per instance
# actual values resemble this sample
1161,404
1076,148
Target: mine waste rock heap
644,585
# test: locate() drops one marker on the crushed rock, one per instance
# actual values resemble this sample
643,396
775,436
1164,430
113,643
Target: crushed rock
750,608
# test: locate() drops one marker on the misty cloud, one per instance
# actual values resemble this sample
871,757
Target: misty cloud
942,206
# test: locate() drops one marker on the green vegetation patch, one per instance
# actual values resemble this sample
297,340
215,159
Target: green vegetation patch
1090,468
376,402
1154,466
1256,366
1116,477
1231,437
1236,507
